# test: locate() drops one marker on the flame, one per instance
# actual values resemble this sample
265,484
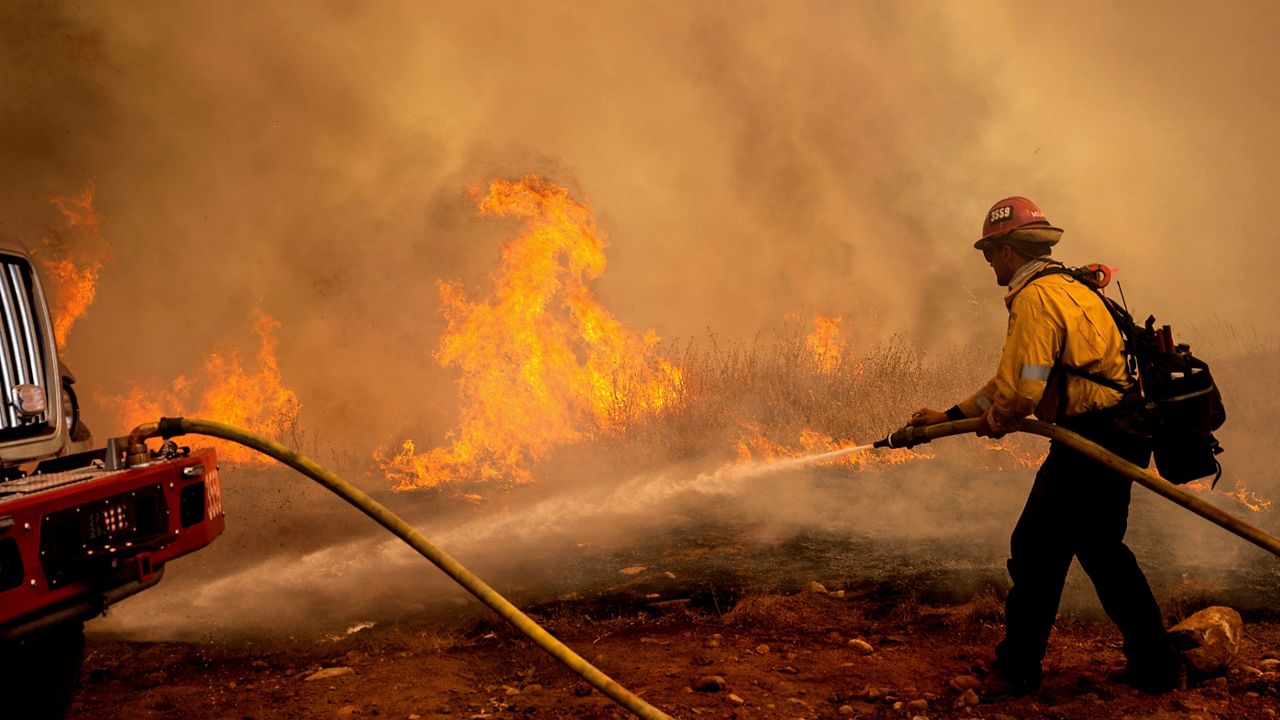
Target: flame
826,343
1238,492
224,391
76,252
755,445
542,362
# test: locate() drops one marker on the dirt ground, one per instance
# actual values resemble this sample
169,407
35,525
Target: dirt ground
780,656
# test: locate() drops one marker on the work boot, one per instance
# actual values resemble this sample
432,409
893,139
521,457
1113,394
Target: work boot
1152,681
1000,682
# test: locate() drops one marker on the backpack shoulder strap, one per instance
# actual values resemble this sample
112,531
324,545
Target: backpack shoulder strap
1118,314
1095,378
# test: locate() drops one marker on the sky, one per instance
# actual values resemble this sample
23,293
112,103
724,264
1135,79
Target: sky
746,160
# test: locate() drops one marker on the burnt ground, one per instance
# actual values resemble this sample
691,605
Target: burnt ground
781,656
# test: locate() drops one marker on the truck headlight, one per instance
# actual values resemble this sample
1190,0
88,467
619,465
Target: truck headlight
29,400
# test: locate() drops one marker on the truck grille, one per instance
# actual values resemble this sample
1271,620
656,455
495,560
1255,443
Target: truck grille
22,360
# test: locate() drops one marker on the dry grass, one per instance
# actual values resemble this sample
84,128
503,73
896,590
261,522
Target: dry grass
1189,596
778,388
987,606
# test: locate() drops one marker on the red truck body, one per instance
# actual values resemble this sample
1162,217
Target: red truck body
73,542
78,530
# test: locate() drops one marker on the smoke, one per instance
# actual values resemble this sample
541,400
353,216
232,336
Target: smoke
746,160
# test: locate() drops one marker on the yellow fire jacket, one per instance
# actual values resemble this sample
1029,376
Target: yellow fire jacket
1053,319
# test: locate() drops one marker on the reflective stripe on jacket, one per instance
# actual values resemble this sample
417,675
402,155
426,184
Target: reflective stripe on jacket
1051,319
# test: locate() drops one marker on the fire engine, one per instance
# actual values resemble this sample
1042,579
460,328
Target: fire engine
79,531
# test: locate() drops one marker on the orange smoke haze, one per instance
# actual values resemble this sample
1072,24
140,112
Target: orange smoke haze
542,362
830,158
71,258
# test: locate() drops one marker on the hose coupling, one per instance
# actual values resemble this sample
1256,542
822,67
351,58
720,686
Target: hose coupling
907,436
170,427
136,454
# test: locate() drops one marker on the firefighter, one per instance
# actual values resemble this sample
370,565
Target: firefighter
1059,334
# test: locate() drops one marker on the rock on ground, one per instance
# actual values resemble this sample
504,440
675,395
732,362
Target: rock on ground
327,673
709,683
1209,639
861,647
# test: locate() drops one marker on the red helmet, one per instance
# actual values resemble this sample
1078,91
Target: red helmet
1011,214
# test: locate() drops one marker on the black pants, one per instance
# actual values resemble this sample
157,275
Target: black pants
1078,508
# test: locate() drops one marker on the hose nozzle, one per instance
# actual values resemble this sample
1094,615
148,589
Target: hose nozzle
907,436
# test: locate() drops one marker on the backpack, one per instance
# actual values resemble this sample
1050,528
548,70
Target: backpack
1171,400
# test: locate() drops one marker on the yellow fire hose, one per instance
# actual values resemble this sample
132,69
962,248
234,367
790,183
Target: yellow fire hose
171,427
909,436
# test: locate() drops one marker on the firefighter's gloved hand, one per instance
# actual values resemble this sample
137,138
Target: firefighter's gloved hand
927,416
985,430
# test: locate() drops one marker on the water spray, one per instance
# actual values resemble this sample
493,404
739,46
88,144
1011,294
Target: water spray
173,427
918,435
814,459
